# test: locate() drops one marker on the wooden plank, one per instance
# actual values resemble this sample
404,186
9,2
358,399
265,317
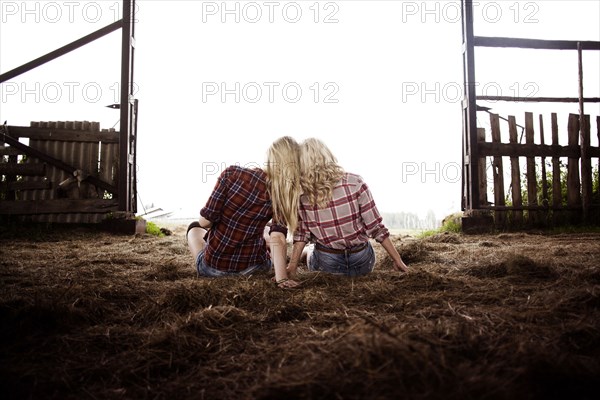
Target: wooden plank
63,134
586,168
12,159
22,169
482,170
584,133
544,177
57,206
487,41
61,51
556,178
573,183
26,185
9,151
533,99
498,172
534,208
531,178
515,174
531,150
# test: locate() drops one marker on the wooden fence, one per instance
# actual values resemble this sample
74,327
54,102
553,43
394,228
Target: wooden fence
550,191
66,174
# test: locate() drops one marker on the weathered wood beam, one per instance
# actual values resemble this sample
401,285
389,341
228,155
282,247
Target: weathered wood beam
30,169
487,41
515,173
26,185
539,99
498,171
63,134
532,150
61,51
60,206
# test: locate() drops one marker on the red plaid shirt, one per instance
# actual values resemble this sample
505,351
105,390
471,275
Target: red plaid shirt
239,209
348,220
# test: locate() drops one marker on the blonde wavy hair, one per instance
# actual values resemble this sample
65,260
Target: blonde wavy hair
282,168
319,172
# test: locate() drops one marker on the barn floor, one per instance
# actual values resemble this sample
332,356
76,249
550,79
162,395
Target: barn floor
92,315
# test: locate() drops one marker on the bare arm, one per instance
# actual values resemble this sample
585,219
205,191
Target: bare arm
278,248
297,250
393,253
204,223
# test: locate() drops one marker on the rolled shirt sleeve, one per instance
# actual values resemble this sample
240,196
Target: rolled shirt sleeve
302,233
371,217
214,205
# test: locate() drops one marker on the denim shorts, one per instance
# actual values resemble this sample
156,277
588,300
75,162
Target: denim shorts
205,270
349,264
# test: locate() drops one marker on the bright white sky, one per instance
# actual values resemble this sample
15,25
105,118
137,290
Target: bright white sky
380,83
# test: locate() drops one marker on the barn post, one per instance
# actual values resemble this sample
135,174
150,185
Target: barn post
470,149
475,219
127,174
584,135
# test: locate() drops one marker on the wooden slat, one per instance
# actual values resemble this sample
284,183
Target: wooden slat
534,208
531,178
26,185
544,177
498,172
532,150
482,170
534,99
515,174
9,151
57,206
586,167
487,41
63,134
22,169
556,178
598,133
573,183
584,123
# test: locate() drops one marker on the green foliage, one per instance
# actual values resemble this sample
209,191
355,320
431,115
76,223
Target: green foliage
539,185
428,233
449,225
153,229
596,186
563,185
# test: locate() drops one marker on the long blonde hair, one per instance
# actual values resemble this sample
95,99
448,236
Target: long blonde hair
319,172
282,170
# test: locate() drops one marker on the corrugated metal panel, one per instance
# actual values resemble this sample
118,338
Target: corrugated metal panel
93,158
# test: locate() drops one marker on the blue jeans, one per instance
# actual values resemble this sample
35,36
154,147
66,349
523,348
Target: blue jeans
349,264
205,270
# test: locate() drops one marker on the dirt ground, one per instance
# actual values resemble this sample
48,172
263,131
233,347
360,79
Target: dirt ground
92,315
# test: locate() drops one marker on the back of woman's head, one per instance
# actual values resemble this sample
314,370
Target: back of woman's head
284,175
319,171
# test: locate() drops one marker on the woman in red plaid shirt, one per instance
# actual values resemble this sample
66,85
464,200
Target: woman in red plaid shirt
337,212
233,231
